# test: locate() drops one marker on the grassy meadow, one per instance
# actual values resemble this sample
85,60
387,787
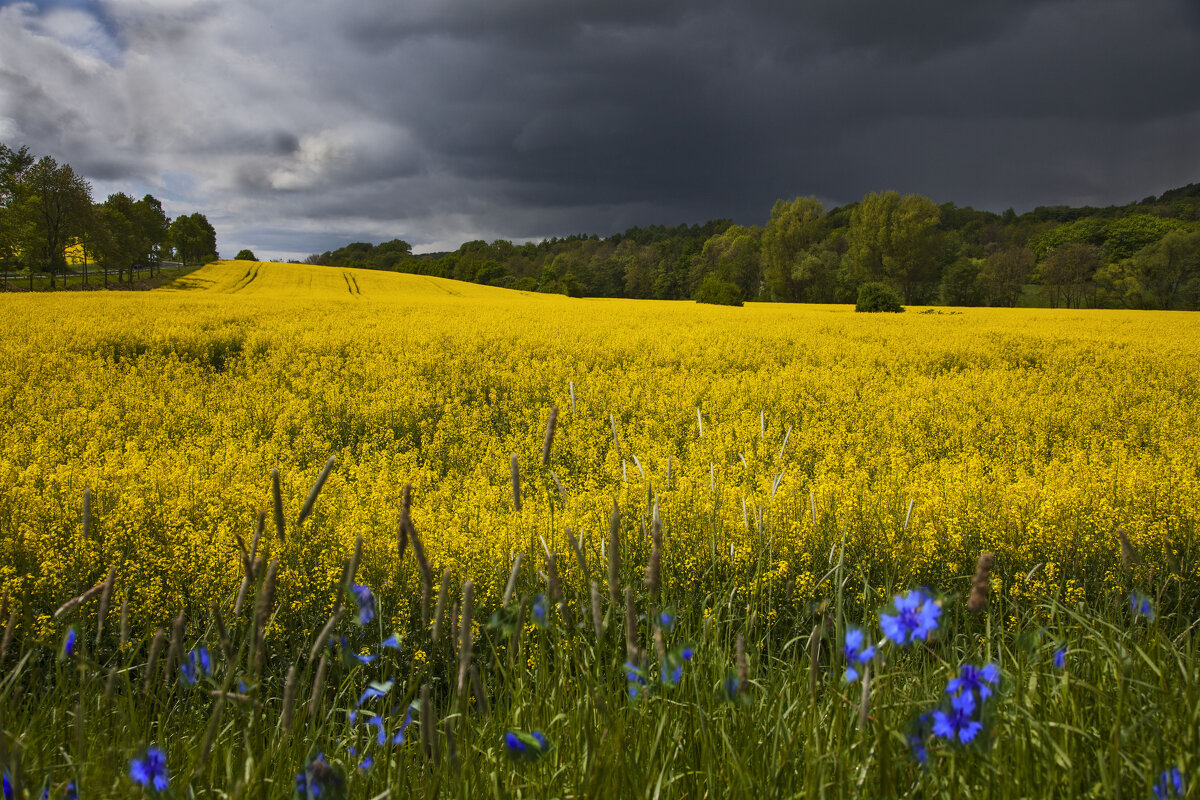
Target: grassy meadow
663,589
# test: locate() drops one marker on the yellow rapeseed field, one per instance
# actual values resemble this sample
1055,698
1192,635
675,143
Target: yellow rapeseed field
769,434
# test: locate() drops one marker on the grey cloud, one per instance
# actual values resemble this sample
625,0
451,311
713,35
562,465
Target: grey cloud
441,119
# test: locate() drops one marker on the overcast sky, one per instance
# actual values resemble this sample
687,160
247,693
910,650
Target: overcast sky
297,126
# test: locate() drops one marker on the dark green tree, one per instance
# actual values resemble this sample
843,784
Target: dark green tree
245,255
960,283
795,226
61,201
16,213
1067,273
897,240
1004,273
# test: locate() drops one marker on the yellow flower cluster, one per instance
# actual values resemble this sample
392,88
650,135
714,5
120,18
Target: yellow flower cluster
772,437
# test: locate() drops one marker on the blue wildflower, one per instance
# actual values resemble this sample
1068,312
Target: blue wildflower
377,721
666,620
636,679
151,769
524,746
916,617
381,735
374,690
391,642
365,601
1060,658
399,737
975,679
855,653
732,686
539,611
198,665
1142,605
319,779
959,723
68,649
72,793
687,653
918,736
6,784
348,656
1170,784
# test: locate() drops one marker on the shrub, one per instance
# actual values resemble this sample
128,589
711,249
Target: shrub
877,297
714,290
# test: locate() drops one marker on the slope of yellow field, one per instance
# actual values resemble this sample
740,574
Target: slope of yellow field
1031,432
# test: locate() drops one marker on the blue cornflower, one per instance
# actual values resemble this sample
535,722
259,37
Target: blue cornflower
666,620
732,685
539,611
399,737
525,746
975,679
959,723
72,793
365,601
918,736
68,649
687,653
855,653
198,665
916,617
319,779
381,736
1142,605
374,689
636,679
1170,784
6,784
391,642
151,769
377,721
1060,658
348,655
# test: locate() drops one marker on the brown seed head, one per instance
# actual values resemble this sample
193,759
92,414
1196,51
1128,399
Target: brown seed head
980,583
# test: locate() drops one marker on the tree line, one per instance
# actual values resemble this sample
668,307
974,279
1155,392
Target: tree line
50,224
1141,255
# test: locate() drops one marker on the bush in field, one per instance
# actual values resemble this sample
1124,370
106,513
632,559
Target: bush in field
718,292
878,297
245,255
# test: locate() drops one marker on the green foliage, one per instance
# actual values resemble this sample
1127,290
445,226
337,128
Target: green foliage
193,238
246,255
795,226
733,257
718,292
1003,273
960,283
898,240
875,297
1067,273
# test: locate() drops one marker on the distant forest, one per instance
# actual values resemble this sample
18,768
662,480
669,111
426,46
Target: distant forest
1141,255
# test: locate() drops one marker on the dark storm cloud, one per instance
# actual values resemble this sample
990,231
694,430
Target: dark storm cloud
440,121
